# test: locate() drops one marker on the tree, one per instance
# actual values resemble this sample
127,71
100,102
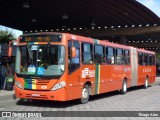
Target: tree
6,36
158,56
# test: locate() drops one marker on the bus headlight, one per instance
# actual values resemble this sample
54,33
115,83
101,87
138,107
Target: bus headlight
18,84
59,85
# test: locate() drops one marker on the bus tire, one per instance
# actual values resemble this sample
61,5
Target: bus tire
85,94
146,83
124,87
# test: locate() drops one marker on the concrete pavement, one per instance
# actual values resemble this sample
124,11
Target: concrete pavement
136,99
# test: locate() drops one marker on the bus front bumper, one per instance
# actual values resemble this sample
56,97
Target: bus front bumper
58,95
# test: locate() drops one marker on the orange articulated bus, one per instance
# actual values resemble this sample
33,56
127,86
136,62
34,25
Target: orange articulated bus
63,67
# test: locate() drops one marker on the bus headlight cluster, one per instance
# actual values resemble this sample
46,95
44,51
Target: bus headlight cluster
18,84
59,85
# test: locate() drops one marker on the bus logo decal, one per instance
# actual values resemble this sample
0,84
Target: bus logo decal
88,72
147,70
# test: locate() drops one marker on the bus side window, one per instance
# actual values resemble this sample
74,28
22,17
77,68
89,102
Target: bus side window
146,59
151,60
119,56
69,51
87,53
99,56
110,55
126,57
140,59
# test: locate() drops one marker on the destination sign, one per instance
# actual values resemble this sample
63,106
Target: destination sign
41,38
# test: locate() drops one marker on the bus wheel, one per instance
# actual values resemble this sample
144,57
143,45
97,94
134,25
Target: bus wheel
124,87
146,83
85,94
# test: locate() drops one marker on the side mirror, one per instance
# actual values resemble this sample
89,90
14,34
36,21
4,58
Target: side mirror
10,49
73,52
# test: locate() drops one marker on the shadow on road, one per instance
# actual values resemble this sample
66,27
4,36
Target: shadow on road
57,104
48,104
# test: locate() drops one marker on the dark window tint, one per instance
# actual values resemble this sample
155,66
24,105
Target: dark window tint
145,59
140,59
110,58
119,56
126,57
152,60
87,54
99,56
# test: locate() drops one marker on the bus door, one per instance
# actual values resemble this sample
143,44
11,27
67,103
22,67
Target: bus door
73,78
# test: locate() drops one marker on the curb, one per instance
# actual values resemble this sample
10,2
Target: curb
6,93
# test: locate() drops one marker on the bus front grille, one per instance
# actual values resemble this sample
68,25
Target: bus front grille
37,82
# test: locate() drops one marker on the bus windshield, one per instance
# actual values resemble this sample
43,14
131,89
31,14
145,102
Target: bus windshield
40,60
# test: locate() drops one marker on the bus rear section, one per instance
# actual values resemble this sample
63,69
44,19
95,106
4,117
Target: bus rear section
143,67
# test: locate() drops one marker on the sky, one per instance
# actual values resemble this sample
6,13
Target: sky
153,5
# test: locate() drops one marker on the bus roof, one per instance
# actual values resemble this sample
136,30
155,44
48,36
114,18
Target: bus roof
89,40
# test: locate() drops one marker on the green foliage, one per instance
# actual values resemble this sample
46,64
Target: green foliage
6,36
158,56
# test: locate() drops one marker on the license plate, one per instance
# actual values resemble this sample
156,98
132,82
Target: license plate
35,95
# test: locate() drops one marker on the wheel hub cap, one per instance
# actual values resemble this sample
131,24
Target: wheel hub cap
146,83
85,93
125,87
